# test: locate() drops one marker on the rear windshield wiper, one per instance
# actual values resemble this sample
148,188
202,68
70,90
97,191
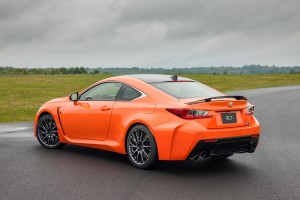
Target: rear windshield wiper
218,97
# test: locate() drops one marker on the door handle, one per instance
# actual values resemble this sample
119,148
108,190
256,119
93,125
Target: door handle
104,108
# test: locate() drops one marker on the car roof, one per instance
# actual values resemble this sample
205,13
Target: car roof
155,78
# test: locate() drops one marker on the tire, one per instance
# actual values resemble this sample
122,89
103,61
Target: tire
47,134
141,147
221,156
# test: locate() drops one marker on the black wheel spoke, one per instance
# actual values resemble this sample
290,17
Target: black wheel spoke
45,124
134,152
44,137
143,151
53,127
42,126
142,156
133,139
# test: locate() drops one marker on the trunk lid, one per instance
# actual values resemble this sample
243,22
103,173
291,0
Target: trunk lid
227,112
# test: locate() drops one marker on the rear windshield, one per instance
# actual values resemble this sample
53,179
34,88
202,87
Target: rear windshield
184,90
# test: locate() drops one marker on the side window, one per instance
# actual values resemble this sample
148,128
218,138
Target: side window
129,93
104,92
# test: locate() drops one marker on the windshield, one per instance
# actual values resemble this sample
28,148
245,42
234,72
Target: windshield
184,90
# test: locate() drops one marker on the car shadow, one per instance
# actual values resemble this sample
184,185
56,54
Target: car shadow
202,168
78,152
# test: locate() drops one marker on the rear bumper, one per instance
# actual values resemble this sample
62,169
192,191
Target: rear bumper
177,140
207,148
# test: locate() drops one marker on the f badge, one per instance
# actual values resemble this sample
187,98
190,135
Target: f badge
229,118
230,104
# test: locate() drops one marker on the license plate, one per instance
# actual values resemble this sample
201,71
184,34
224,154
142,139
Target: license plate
228,118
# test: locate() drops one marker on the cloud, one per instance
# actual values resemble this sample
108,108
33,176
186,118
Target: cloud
40,33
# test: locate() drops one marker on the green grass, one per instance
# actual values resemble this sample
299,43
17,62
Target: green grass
21,96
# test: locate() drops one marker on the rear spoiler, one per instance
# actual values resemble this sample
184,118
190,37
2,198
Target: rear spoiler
219,97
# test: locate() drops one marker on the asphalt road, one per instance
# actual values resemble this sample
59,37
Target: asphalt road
28,171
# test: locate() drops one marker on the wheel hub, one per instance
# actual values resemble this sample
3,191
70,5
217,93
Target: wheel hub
140,146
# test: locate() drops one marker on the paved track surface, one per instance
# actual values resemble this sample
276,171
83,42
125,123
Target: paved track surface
28,171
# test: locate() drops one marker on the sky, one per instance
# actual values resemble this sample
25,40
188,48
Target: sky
149,33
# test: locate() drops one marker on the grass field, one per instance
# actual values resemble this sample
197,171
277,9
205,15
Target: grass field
21,96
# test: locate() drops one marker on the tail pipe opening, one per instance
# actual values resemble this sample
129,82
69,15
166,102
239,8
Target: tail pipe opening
197,157
251,149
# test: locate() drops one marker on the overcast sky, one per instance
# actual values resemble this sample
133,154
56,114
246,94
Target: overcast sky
150,33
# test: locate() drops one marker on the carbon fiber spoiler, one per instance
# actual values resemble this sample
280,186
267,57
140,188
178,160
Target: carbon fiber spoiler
218,97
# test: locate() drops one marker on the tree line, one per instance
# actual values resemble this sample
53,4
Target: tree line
247,69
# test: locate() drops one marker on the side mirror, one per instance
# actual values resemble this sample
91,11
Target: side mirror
74,96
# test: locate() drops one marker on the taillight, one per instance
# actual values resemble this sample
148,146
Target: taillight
250,110
189,114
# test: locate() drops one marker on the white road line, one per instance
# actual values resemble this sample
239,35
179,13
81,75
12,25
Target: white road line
9,130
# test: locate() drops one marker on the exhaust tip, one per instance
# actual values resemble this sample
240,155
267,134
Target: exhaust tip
196,157
202,154
251,150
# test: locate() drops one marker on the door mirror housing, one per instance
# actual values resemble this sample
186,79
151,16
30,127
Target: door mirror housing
74,96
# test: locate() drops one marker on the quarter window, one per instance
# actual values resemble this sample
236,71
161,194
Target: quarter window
129,93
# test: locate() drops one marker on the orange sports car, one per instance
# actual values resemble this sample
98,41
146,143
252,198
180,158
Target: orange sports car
150,118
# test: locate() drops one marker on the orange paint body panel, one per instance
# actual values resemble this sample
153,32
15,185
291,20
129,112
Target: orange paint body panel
104,124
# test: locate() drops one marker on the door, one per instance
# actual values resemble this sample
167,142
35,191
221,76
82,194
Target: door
89,117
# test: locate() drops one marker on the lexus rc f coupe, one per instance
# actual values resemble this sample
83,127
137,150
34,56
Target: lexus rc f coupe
150,118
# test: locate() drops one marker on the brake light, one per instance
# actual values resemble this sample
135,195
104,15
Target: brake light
189,114
250,110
